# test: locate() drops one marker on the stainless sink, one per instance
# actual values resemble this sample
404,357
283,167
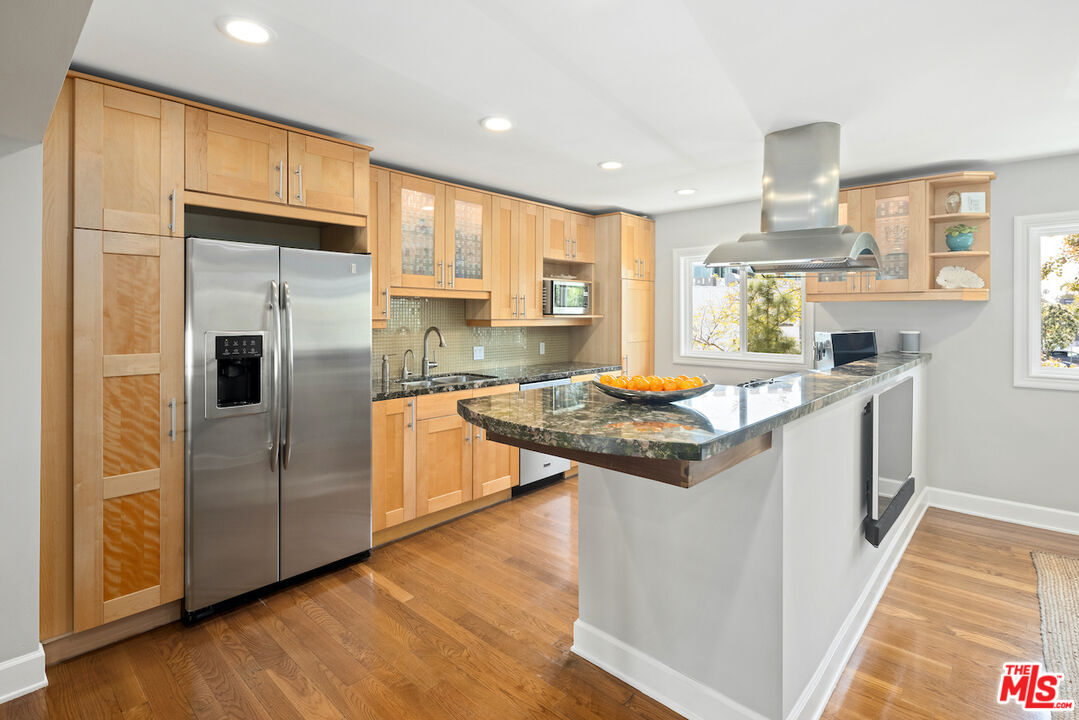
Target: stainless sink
460,379
412,384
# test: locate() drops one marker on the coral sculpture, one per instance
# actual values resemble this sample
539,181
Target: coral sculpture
956,276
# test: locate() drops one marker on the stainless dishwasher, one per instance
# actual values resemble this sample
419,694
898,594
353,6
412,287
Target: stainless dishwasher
537,466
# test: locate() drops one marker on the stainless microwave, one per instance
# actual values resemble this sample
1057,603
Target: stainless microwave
566,297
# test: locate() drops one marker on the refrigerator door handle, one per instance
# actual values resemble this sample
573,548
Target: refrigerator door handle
286,304
275,430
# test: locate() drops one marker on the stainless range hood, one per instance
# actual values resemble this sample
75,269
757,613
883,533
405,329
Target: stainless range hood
800,230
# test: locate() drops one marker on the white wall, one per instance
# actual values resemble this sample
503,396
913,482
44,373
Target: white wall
986,437
20,421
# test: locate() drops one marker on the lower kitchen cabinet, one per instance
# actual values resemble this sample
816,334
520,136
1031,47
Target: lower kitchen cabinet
426,458
443,463
393,462
128,449
495,466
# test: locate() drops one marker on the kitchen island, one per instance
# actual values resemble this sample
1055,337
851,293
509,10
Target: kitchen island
723,565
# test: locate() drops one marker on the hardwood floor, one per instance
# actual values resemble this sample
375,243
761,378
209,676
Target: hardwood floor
470,620
962,602
473,620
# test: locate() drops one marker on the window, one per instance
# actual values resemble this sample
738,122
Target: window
1047,301
729,318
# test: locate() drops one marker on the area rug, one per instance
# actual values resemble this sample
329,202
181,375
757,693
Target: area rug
1058,596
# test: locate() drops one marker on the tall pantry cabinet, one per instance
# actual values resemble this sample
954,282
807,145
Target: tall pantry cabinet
128,391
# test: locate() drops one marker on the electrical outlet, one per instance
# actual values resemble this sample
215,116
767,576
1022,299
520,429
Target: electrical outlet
543,349
477,352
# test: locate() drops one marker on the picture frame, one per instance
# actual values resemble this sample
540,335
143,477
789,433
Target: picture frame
972,202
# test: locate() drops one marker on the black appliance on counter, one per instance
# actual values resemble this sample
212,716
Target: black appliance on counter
832,349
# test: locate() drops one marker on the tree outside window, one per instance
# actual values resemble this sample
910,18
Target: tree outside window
1059,309
735,315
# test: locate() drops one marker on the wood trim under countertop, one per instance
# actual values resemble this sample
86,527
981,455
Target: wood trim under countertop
72,645
683,473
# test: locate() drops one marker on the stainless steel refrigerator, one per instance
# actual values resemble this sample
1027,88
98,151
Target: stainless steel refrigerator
278,389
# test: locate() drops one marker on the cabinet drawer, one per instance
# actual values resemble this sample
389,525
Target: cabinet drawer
440,404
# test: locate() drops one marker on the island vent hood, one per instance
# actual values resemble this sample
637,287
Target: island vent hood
800,230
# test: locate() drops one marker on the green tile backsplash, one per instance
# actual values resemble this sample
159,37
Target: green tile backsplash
503,347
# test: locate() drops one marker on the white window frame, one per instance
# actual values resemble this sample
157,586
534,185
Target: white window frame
1028,370
683,259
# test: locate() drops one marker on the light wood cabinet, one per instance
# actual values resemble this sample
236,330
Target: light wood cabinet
128,396
850,213
638,248
326,175
638,326
468,239
568,236
443,462
516,288
226,155
495,466
895,214
582,237
417,232
393,462
378,244
128,161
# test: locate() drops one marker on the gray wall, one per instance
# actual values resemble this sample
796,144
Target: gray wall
986,437
20,387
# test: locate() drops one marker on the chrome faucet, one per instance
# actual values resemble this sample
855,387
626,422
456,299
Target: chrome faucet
428,361
406,373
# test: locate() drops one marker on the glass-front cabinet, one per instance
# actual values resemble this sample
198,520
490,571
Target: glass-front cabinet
440,235
417,226
468,254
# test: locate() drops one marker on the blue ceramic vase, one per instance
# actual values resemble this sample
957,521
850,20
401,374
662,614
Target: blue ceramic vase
962,241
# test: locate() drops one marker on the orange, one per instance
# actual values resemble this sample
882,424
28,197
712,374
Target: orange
635,378
619,382
638,383
655,383
685,384
697,382
605,379
670,384
681,377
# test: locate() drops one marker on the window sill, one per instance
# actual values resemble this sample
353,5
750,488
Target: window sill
1047,382
741,363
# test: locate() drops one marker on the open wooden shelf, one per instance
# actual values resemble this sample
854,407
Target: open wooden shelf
546,321
976,294
960,254
969,177
945,217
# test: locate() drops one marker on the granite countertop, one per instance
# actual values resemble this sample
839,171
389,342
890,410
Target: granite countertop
500,376
580,417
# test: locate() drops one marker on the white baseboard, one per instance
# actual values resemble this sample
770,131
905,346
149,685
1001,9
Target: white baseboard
1038,516
655,679
22,675
814,698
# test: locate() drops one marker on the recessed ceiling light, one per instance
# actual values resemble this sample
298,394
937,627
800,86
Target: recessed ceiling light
494,123
244,30
610,165
685,191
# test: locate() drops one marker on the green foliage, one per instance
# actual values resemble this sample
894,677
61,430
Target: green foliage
953,230
1069,254
772,303
1060,326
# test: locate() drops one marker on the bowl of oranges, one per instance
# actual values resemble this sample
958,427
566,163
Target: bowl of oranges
652,389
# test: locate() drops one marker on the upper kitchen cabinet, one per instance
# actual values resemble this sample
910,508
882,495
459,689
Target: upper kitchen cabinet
128,161
850,213
568,236
226,155
326,175
529,262
505,231
468,236
582,237
638,248
516,290
908,220
417,232
378,245
895,215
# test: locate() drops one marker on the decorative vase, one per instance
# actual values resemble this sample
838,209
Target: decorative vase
952,202
959,242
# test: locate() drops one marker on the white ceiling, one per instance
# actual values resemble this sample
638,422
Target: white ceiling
681,91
